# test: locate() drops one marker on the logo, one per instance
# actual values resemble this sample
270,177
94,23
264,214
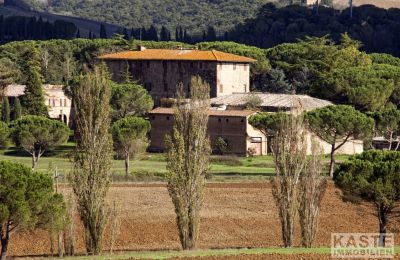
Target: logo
362,245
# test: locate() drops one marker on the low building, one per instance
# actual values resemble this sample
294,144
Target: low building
59,105
270,102
161,71
232,126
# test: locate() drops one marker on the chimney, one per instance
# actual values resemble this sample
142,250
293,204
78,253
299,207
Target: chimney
141,48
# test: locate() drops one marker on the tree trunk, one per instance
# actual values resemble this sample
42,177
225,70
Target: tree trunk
4,242
382,215
351,8
126,166
34,161
332,162
60,244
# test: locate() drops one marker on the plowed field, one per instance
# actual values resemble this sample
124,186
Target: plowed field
234,216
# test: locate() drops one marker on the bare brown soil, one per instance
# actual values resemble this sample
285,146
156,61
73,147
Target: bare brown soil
234,216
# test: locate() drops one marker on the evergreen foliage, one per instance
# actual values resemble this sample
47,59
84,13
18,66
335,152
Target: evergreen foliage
5,113
337,125
373,176
28,201
36,135
33,99
130,138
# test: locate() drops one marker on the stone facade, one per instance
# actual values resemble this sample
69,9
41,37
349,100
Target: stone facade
162,71
232,126
58,104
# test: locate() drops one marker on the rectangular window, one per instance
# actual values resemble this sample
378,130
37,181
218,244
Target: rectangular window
147,86
54,102
61,102
65,102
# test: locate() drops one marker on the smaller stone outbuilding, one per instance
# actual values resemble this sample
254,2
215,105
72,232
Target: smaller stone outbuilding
58,104
232,126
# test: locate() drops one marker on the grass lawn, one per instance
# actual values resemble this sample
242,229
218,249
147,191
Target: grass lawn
152,167
212,252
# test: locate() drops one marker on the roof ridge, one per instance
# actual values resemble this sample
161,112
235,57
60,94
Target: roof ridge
215,56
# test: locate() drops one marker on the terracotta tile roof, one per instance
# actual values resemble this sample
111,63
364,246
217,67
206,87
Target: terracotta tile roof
14,90
212,112
270,100
167,54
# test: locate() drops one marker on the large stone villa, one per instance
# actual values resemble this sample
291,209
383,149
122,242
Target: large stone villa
161,70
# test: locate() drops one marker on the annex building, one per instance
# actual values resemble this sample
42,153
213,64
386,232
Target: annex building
161,71
229,120
58,104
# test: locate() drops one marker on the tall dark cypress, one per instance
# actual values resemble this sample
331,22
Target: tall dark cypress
78,34
103,32
2,28
33,100
17,109
5,111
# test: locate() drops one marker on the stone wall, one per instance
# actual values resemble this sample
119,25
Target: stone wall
161,78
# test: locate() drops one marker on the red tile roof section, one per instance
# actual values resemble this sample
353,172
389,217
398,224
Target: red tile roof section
229,113
166,54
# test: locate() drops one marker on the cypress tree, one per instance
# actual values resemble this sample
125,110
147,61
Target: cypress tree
5,113
2,28
78,34
103,32
17,110
177,35
33,99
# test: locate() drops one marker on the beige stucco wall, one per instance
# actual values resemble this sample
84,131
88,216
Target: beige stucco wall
349,148
59,105
233,77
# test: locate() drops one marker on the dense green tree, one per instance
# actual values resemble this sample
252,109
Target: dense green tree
268,123
274,81
5,111
36,134
33,99
4,134
367,88
130,99
337,125
27,201
165,35
103,32
92,158
9,72
188,154
17,109
387,124
373,176
130,138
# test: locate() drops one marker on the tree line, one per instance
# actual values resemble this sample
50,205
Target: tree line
19,28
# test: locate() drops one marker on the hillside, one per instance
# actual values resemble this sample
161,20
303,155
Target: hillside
378,3
195,15
84,25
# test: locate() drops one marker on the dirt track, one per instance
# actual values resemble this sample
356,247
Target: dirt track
234,216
